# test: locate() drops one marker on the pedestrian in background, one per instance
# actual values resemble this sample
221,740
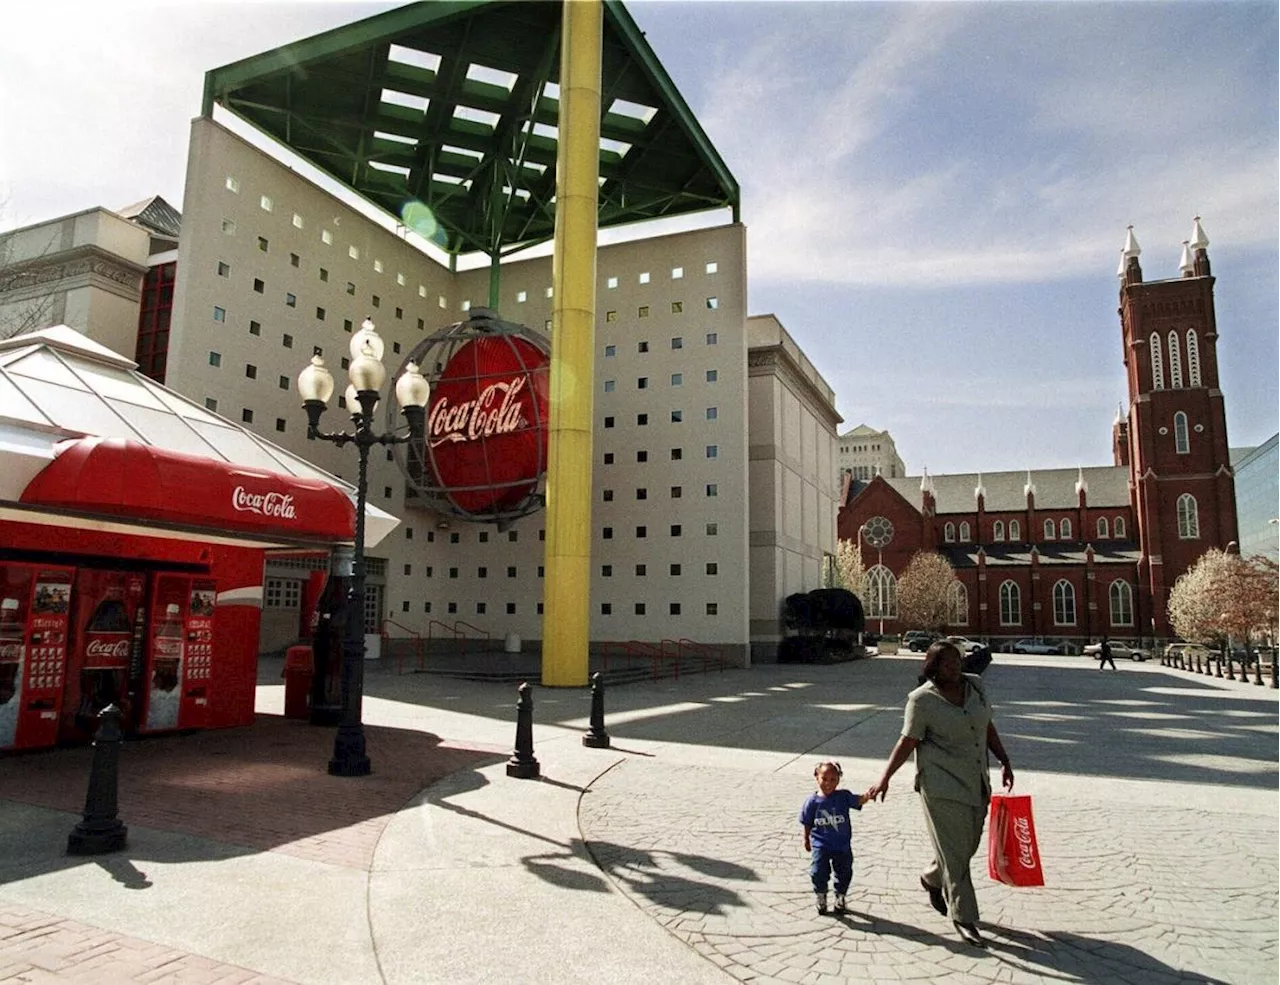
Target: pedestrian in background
1104,655
948,725
828,834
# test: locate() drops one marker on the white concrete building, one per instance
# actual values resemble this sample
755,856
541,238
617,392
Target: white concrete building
865,453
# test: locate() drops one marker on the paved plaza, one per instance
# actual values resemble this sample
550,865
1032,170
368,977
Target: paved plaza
673,857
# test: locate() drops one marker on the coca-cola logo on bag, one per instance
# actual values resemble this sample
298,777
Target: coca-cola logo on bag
487,423
1022,832
272,504
107,649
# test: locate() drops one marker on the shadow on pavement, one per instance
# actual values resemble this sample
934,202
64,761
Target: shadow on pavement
1073,958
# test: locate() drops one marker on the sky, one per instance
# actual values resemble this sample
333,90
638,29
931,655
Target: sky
935,194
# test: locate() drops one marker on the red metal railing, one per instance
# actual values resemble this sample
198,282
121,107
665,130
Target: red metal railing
706,651
412,635
457,629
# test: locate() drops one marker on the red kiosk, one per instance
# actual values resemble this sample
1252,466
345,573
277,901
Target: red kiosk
134,526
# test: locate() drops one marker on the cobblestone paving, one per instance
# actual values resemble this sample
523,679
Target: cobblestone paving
1132,895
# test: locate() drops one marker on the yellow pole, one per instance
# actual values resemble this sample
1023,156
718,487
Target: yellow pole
566,617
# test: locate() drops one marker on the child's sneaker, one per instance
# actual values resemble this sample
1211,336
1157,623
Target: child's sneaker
839,903
822,903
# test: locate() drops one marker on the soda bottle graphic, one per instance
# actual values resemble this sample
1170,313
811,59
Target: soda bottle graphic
166,671
11,653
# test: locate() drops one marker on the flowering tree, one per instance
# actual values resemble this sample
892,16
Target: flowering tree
925,591
849,572
1224,595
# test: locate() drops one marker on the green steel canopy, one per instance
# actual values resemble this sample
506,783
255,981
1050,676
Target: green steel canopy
453,106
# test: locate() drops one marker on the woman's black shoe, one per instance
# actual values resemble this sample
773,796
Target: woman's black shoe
936,898
969,931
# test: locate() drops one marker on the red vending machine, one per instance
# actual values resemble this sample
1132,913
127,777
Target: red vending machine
108,611
179,657
34,606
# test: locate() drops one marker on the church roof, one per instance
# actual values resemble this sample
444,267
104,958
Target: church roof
1019,555
1055,489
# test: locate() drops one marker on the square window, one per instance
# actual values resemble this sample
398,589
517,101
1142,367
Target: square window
511,608
639,608
607,495
453,608
395,347
641,384
426,608
642,493
607,533
351,288
224,269
353,252
610,351
712,267
674,570
287,341
549,292
676,308
346,325
644,277
642,456
453,572
233,184
610,316
675,530
677,379
713,609
610,386
673,609
643,311
712,375
677,454
263,245
421,324
291,300
482,572
431,536
677,416
713,568
346,363
712,451
326,237
246,415
541,572
229,227
377,301
251,371
641,571
542,534
713,303
259,285
219,314
677,342
324,275
386,492
677,273
677,492
265,202
711,338
441,301
606,609
319,314
606,571
211,403
400,314
404,606
408,569
480,608
280,424
712,490
608,422
711,413
484,537
642,347
642,531
215,358
377,266
522,297
400,279
611,283
712,529
642,420
539,604
255,328
511,571
455,538
608,458
295,260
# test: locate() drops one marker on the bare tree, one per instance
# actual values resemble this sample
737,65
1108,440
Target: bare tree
926,592
27,299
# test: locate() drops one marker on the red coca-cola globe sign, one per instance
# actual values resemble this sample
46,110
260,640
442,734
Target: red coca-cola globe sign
487,430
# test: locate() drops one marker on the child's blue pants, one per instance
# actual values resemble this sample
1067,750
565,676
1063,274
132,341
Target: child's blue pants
824,861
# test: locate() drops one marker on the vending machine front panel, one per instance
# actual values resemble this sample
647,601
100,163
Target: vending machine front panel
46,657
165,674
198,658
104,605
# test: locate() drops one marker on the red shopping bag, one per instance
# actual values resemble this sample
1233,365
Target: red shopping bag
1013,857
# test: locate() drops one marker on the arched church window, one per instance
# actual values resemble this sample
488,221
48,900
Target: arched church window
949,533
1010,604
1064,529
997,530
882,593
1064,604
1015,530
1121,603
1175,361
1157,363
1181,437
964,531
1193,358
959,604
1188,517
1118,526
1049,530
1102,528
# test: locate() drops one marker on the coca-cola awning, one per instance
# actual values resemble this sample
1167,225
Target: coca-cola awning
121,478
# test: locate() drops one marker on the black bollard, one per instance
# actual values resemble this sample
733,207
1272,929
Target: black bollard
522,764
1257,668
596,737
1275,680
101,831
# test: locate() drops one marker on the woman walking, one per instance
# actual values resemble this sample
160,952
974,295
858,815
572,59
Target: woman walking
947,724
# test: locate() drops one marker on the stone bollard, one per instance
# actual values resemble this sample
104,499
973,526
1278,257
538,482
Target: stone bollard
101,831
596,737
522,764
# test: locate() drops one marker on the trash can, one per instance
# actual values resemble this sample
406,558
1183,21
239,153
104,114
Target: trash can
299,667
511,644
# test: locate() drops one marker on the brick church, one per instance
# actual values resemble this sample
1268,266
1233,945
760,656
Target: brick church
1079,553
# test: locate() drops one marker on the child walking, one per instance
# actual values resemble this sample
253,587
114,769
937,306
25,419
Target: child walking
827,834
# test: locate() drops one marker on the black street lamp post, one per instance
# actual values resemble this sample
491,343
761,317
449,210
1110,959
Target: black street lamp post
315,385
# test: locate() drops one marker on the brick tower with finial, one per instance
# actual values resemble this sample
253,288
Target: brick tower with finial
1181,484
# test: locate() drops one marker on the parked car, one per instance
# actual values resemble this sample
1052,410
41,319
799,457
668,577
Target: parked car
1040,646
918,640
965,644
1118,651
1187,651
